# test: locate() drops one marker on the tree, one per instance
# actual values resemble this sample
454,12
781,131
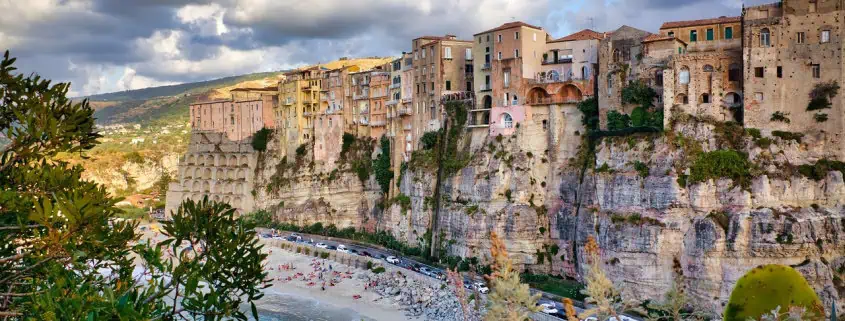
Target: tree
509,299
600,290
62,257
381,166
676,306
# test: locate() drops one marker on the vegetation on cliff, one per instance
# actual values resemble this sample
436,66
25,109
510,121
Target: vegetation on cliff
509,298
381,166
58,232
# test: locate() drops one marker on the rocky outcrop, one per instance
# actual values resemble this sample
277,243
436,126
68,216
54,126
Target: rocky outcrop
132,176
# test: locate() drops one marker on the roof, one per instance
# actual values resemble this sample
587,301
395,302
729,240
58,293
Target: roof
585,34
271,88
700,22
658,37
509,25
211,102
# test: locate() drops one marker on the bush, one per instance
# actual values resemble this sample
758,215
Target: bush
429,140
348,140
641,168
381,166
300,151
780,116
378,270
767,287
324,255
590,110
638,117
617,121
721,218
369,265
721,164
259,140
821,95
820,118
134,157
788,135
819,170
637,92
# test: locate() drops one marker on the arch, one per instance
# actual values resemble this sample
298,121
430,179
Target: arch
217,187
708,68
231,174
617,55
236,202
206,187
192,160
206,174
506,120
244,160
681,99
219,174
537,95
683,76
238,189
187,173
570,92
197,186
585,73
765,38
704,98
487,102
216,198
732,99
233,161
227,200
209,160
227,188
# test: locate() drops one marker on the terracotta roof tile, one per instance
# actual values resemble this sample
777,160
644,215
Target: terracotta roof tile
510,25
585,34
700,22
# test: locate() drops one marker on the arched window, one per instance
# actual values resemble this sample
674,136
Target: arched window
487,102
658,77
708,68
507,120
734,72
765,38
683,77
585,73
515,100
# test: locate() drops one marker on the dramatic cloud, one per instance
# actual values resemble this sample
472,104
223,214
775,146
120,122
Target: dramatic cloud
112,45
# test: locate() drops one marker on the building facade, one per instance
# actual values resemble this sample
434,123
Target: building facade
620,57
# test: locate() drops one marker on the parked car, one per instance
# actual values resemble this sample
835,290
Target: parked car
342,249
415,267
425,270
365,253
322,245
331,248
622,318
266,235
481,287
548,308
309,242
353,251
392,260
381,257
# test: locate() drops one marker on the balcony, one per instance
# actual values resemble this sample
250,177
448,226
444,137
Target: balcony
560,60
553,100
389,115
486,66
395,85
486,87
364,95
379,95
363,122
403,111
391,102
407,100
378,123
365,111
407,127
289,101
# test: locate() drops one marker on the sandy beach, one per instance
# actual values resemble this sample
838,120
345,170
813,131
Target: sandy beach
299,275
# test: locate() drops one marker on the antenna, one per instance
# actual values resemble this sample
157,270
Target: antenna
592,23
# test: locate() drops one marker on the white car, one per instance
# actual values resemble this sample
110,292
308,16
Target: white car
548,308
621,317
392,260
321,245
342,249
481,287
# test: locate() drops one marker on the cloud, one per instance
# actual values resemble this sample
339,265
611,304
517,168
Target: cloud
111,45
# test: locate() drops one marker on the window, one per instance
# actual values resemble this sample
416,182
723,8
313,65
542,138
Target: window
780,72
734,72
817,71
488,38
765,41
799,37
671,33
447,52
825,36
507,99
507,120
507,78
758,96
729,32
812,7
658,77
500,55
705,98
534,36
432,86
708,68
758,72
469,86
479,39
516,53
515,100
693,35
684,76
545,124
710,34
609,84
448,85
516,35
469,54
500,38
423,53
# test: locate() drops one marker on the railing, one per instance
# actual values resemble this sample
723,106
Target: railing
306,114
395,85
363,122
361,96
407,100
553,100
407,127
403,111
391,102
377,123
486,87
486,66
364,111
289,101
379,95
560,60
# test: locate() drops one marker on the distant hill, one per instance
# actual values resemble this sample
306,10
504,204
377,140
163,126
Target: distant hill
163,91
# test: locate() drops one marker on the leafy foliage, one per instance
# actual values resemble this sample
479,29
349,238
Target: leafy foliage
820,117
722,164
429,140
768,287
788,135
509,299
259,140
617,120
638,93
381,166
819,170
65,230
348,140
780,116
821,95
590,109
607,301
641,168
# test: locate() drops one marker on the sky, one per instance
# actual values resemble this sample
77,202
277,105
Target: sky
105,46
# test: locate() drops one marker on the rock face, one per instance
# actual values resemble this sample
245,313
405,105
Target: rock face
140,176
420,300
532,190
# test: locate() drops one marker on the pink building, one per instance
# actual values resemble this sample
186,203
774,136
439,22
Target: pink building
239,119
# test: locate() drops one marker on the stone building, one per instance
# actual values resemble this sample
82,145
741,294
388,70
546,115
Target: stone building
400,111
361,102
299,94
440,67
704,77
790,48
216,167
238,119
379,83
620,55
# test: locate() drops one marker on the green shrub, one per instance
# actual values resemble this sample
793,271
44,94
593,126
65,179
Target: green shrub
767,287
754,133
721,164
378,270
403,201
721,218
821,95
429,140
134,157
259,140
369,265
300,151
471,210
324,255
508,195
348,140
604,168
638,93
638,117
820,118
788,135
780,116
641,168
819,170
590,110
617,121
381,166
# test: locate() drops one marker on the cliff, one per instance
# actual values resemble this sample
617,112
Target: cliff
709,199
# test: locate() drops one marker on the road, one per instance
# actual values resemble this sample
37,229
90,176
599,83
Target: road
410,264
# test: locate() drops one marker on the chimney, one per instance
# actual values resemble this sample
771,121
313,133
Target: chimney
451,37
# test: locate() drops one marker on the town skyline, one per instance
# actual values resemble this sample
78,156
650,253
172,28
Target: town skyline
100,47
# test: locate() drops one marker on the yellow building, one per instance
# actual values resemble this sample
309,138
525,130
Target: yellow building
299,104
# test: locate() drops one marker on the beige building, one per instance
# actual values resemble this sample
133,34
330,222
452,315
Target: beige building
789,49
299,96
440,67
400,112
379,83
620,58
